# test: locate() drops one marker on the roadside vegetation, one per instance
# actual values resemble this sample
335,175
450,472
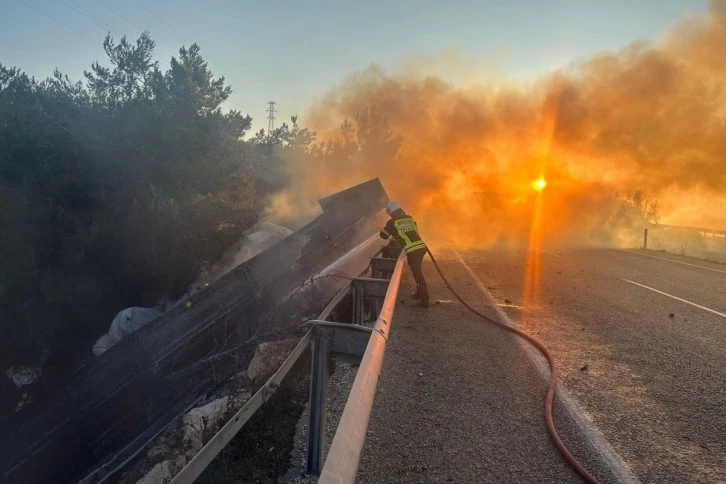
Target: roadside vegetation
116,190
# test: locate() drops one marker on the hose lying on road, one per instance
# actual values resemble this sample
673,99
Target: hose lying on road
553,378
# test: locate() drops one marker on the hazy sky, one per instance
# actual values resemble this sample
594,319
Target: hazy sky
291,52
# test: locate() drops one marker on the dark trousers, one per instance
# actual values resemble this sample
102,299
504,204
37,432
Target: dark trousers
415,261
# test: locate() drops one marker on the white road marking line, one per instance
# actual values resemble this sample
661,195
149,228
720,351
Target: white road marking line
676,298
549,253
674,261
607,455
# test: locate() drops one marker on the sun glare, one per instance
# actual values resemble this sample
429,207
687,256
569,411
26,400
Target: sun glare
539,184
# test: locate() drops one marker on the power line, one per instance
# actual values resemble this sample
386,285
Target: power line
90,14
143,29
120,14
173,31
134,24
59,22
162,22
102,24
249,89
80,12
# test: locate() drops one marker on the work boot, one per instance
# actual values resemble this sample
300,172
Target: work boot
424,296
416,295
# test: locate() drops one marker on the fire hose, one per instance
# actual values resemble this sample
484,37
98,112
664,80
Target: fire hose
571,460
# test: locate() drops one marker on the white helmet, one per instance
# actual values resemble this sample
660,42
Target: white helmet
392,207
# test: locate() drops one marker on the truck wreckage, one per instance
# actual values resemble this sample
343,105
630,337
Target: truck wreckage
109,411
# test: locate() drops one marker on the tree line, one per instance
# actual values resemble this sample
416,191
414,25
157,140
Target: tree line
116,189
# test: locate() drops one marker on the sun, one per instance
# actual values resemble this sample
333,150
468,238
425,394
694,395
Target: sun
539,184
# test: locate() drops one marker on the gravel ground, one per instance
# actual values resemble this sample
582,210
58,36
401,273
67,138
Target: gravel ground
459,401
340,384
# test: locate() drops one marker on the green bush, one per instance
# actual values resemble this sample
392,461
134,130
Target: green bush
114,191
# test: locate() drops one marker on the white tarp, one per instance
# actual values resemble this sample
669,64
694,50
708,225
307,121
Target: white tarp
126,322
263,236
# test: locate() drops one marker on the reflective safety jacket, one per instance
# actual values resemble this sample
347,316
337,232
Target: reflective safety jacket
403,228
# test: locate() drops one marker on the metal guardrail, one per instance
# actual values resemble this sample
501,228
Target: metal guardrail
702,230
342,463
101,417
329,341
209,452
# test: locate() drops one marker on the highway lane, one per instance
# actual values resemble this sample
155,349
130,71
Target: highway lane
461,401
649,369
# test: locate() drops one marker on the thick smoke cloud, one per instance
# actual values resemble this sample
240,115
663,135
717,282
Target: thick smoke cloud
650,117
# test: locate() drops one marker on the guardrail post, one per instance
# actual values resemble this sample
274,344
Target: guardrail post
358,303
343,460
318,399
367,289
645,239
382,268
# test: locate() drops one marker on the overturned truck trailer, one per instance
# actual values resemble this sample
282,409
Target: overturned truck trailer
111,408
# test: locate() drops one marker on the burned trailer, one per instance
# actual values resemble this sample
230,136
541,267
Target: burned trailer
110,409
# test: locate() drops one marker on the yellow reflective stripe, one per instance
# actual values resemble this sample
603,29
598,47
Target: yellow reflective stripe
405,227
415,246
406,240
385,232
405,224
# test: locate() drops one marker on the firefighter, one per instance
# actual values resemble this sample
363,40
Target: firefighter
403,229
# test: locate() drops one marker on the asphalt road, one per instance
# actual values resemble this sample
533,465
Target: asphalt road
461,401
640,339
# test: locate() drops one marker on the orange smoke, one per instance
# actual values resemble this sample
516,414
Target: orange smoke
650,117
